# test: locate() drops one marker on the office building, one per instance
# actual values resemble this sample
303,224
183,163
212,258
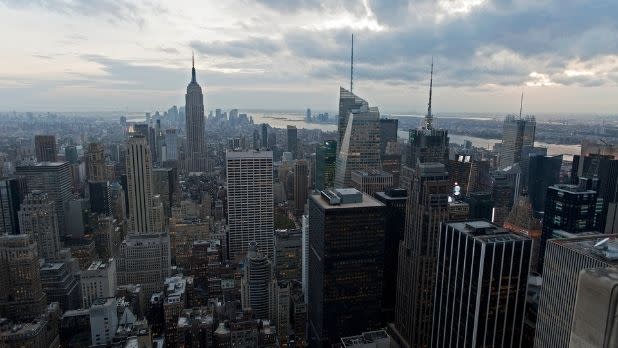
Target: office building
11,195
195,149
103,321
543,172
165,184
372,339
37,218
360,146
459,172
371,181
264,136
346,260
517,134
292,134
53,178
96,168
288,255
60,282
139,186
301,185
502,193
564,261
521,220
394,226
42,332
98,281
479,174
100,197
70,154
325,163
171,145
250,201
568,208
594,323
427,207
479,302
348,102
21,294
45,148
280,308
256,282
177,290
388,133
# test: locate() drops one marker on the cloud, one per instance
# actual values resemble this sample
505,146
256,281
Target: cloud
238,48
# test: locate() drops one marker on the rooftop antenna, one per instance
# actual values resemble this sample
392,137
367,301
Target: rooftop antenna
429,116
521,104
352,65
193,66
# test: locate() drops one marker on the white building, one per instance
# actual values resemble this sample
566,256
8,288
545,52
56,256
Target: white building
98,281
103,321
250,201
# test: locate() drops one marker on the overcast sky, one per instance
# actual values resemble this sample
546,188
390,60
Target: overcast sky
91,55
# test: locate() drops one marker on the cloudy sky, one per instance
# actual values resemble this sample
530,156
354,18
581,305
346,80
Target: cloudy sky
87,55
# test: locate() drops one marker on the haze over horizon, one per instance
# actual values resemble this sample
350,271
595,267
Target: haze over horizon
78,55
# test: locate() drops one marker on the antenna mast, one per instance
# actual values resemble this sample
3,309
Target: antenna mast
429,116
521,104
352,65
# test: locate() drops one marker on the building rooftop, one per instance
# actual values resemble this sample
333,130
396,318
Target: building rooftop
486,232
373,172
231,154
365,338
348,198
602,247
99,265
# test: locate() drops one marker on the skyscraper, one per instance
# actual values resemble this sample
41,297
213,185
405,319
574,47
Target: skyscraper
517,133
521,220
346,243
501,196
250,201
256,282
139,185
21,294
45,148
325,162
427,207
38,218
10,200
360,147
568,208
53,178
264,138
95,162
194,110
301,187
292,133
70,154
543,172
348,102
388,133
564,261
479,302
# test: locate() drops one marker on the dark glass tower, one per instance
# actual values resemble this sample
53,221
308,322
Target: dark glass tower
543,172
325,162
346,243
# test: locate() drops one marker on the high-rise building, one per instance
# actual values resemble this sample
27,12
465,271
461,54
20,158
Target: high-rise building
427,207
348,102
21,294
543,172
394,227
103,321
371,181
256,282
521,220
292,133
264,138
360,147
346,243
502,193
70,154
517,133
11,192
479,173
171,145
37,218
250,201
96,168
564,261
388,133
53,178
594,323
481,206
164,183
144,259
45,148
325,162
195,152
98,281
301,185
288,255
100,197
568,208
139,185
479,302
60,282
459,172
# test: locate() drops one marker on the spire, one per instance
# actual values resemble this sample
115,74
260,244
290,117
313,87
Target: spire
193,67
352,65
521,104
429,116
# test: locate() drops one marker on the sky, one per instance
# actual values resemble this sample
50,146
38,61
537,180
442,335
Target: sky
105,55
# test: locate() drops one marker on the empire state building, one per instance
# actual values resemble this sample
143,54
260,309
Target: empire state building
194,110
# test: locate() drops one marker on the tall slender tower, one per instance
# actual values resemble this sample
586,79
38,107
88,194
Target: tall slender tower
139,182
426,208
194,111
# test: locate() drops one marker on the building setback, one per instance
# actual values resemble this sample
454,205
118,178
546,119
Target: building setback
480,293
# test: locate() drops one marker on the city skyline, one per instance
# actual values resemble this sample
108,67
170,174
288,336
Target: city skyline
134,55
